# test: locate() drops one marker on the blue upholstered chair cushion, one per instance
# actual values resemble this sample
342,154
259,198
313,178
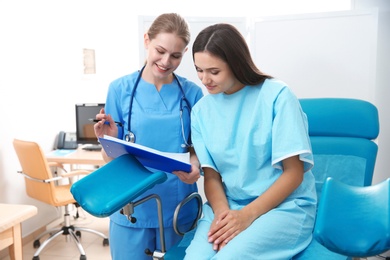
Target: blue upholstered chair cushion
352,220
111,187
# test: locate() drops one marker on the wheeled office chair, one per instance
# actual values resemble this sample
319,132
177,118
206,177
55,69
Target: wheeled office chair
43,186
342,133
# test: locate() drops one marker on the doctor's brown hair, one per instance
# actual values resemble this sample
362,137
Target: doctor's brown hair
170,23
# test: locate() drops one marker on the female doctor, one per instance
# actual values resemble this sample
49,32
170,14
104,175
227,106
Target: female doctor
153,106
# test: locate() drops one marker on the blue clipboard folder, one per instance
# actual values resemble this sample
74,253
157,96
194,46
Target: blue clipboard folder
151,158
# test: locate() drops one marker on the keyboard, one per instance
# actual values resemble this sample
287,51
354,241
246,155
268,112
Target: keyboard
93,147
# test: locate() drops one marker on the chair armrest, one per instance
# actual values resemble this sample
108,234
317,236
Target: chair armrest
40,180
65,175
75,173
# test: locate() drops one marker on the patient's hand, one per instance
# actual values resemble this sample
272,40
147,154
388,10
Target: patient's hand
190,177
225,226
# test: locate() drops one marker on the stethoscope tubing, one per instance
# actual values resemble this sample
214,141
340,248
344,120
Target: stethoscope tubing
130,136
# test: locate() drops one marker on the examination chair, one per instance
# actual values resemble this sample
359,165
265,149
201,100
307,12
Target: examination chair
342,133
43,186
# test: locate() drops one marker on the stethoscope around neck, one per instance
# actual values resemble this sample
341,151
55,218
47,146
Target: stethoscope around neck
130,136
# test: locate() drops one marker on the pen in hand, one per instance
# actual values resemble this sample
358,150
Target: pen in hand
97,120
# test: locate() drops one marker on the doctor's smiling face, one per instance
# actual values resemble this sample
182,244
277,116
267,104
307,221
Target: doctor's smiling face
215,74
165,42
164,54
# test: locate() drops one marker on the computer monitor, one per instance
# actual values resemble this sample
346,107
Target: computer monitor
85,113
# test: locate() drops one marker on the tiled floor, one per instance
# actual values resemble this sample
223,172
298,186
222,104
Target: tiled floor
61,249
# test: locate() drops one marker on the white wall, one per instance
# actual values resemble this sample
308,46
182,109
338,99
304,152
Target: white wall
41,66
381,87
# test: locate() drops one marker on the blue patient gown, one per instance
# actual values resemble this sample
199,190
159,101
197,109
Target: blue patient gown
245,136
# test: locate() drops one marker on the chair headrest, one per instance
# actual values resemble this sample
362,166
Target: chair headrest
341,117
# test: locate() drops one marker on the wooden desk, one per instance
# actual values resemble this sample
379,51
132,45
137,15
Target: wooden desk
78,156
11,218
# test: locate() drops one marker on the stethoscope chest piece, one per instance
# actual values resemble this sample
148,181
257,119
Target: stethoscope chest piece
130,137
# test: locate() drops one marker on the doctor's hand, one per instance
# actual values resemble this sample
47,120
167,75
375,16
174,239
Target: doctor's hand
106,125
189,177
225,226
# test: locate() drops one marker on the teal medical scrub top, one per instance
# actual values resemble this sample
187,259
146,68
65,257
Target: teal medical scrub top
156,123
